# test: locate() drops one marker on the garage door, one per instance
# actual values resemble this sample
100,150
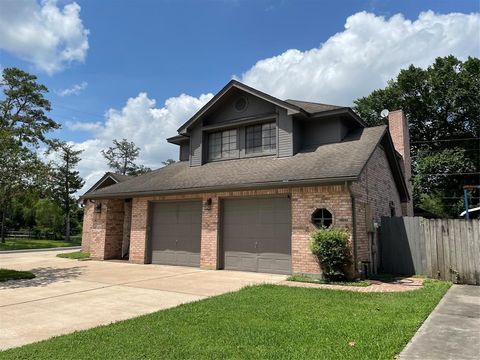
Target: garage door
175,233
257,235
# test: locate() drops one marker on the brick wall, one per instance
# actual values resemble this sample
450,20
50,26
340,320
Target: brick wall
103,231
374,192
304,201
375,188
87,225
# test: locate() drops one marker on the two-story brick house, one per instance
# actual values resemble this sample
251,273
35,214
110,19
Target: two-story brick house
256,176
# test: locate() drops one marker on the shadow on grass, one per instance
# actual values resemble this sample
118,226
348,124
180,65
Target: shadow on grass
44,276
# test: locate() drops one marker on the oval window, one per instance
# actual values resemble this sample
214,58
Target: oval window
322,218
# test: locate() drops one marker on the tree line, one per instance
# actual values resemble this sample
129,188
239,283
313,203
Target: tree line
442,104
38,173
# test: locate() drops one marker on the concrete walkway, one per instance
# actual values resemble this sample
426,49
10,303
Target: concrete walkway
69,295
452,331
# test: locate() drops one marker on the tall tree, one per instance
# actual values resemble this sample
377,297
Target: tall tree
121,158
23,107
20,169
66,181
443,108
23,126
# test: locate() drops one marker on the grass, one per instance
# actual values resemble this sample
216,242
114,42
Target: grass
78,255
259,322
310,279
7,274
22,244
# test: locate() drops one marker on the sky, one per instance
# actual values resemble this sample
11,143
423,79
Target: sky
139,69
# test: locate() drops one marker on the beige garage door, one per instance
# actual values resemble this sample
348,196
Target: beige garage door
256,235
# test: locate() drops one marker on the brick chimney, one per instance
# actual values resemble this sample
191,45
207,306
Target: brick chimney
398,126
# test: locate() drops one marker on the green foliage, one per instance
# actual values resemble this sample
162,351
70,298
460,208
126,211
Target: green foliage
331,248
121,158
260,322
441,103
66,181
7,274
77,255
48,218
23,107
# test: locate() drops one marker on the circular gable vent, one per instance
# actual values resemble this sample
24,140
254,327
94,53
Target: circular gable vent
241,104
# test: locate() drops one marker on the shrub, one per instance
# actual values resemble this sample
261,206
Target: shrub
331,248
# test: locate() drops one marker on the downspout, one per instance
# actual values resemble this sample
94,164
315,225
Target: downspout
354,227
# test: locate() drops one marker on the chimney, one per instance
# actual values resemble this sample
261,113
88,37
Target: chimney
398,126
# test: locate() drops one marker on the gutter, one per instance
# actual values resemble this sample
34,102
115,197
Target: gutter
250,186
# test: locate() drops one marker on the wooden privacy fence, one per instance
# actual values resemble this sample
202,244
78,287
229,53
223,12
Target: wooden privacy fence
446,249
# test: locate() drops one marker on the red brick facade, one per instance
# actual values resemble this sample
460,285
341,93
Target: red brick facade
373,194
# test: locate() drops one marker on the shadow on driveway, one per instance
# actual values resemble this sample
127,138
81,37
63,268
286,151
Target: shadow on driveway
44,276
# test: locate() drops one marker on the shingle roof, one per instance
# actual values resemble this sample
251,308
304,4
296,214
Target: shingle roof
330,162
119,177
312,107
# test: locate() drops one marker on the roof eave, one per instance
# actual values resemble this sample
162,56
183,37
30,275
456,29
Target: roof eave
233,187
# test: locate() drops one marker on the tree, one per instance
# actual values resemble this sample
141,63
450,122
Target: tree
168,162
23,126
23,107
66,181
121,158
20,169
443,108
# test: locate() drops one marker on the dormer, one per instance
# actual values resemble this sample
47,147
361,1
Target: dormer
242,122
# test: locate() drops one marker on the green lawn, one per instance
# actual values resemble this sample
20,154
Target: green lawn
7,274
21,244
77,255
261,322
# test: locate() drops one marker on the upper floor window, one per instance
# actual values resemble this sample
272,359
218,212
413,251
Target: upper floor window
261,138
222,144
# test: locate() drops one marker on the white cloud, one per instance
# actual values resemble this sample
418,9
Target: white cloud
370,51
43,34
74,90
139,121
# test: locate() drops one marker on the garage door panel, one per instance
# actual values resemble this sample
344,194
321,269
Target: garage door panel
257,234
176,232
242,261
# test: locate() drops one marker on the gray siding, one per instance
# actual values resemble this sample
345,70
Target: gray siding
285,134
322,131
196,146
297,136
184,152
226,111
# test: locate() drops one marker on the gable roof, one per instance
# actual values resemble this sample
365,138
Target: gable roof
116,178
237,84
343,161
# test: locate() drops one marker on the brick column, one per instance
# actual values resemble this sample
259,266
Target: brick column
138,232
106,233
209,237
87,225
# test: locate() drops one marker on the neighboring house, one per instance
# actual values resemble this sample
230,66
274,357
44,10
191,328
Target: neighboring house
256,176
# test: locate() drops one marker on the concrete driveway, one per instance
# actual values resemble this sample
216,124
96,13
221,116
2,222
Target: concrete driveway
69,295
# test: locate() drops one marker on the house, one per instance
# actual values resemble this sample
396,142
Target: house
256,176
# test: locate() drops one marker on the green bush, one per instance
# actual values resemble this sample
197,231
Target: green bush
331,248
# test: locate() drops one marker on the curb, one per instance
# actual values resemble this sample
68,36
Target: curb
38,250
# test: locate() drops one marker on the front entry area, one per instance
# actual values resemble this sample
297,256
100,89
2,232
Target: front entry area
256,234
176,232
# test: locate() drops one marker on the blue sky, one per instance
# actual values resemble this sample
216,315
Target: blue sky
169,48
